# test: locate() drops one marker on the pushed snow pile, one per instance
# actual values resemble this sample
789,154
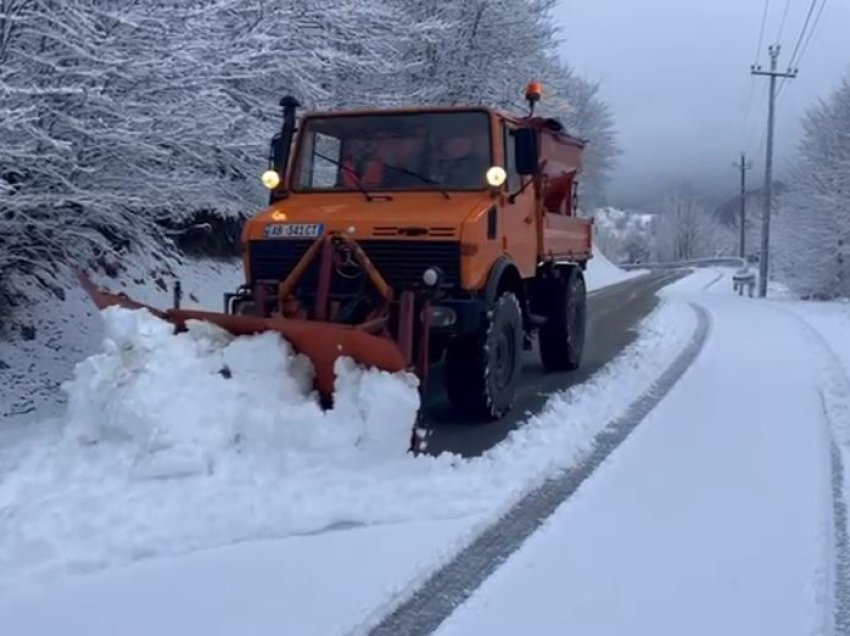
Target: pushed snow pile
601,272
161,454
202,394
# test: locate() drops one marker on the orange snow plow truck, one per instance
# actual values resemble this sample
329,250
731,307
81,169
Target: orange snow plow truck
404,237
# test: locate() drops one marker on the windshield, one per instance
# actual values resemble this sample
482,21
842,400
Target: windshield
406,151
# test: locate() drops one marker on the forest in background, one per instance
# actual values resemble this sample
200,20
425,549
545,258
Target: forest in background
810,220
122,123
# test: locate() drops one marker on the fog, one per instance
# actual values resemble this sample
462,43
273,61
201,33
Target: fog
676,74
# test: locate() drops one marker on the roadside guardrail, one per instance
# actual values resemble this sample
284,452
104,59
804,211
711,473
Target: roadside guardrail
743,279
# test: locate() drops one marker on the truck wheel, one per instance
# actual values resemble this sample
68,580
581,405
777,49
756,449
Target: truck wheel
483,369
562,337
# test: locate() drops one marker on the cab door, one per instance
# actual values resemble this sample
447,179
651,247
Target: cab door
517,219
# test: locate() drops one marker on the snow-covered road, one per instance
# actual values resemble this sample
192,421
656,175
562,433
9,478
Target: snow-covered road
84,529
714,517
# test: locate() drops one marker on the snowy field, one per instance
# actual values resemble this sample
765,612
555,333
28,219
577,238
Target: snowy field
159,459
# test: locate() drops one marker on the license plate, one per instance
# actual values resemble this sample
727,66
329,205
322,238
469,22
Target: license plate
294,230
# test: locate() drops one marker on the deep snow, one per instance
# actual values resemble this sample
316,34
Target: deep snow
715,517
601,272
66,330
262,459
274,466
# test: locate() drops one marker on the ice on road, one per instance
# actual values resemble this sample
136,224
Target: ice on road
714,517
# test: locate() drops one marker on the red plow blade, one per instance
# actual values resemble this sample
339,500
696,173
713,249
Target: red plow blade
321,342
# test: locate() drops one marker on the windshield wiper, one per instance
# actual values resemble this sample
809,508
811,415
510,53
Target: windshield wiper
357,183
421,177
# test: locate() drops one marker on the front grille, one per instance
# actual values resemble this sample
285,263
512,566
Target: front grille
401,263
274,259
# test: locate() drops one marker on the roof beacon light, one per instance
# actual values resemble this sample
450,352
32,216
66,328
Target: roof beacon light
533,93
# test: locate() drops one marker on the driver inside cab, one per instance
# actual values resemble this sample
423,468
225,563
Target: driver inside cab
462,163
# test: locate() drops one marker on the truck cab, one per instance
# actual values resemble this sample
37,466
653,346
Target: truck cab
469,211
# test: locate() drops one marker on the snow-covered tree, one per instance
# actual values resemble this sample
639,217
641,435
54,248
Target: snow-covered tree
811,230
686,229
486,50
586,115
624,236
122,120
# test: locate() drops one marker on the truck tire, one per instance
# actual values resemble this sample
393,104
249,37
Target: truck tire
562,337
483,369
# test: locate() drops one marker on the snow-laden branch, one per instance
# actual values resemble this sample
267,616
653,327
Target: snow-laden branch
811,237
121,118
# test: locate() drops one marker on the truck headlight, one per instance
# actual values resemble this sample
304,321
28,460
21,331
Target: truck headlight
271,179
496,176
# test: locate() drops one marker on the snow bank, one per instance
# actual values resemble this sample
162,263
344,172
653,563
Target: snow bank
67,328
160,454
601,272
207,390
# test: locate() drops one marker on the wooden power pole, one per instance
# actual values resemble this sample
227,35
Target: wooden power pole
768,167
743,165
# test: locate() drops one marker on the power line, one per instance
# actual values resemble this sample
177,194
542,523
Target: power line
809,37
812,32
747,120
782,24
761,32
802,33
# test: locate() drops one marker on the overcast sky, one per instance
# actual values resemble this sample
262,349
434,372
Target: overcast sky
677,76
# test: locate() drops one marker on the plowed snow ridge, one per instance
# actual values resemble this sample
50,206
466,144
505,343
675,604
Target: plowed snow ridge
159,454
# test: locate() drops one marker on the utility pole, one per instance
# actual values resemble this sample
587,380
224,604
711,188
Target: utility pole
743,165
768,164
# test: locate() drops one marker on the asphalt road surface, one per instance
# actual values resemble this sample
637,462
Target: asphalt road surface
613,314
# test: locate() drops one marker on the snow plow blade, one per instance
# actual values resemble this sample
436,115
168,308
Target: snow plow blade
322,342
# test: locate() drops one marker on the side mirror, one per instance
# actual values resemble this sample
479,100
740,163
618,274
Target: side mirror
527,158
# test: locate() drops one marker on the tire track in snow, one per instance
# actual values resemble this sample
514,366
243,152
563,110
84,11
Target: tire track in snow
426,607
835,403
713,282
841,595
